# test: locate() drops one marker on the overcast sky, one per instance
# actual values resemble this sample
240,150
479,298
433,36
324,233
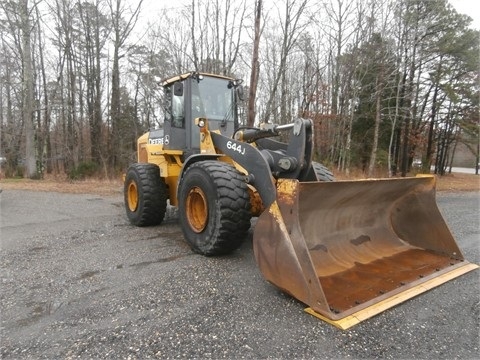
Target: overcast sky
151,7
470,8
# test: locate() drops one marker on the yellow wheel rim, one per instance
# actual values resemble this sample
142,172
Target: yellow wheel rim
197,209
132,196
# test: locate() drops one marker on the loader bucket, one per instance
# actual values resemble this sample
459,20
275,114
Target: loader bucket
352,249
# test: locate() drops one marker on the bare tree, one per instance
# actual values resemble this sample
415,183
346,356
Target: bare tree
369,87
94,26
27,81
338,27
339,12
380,15
11,133
292,24
255,65
216,34
121,30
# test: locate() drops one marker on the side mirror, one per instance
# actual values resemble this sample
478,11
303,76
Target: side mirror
178,89
240,93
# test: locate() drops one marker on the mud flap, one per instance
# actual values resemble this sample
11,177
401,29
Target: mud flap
352,249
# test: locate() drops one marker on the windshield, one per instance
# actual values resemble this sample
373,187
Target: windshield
212,98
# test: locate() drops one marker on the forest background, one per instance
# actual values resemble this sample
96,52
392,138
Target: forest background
388,84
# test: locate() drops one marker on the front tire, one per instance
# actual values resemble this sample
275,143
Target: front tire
319,172
214,207
145,195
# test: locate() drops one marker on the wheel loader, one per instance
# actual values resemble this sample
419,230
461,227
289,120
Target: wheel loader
347,249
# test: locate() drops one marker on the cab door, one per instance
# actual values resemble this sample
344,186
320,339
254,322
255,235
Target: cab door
175,120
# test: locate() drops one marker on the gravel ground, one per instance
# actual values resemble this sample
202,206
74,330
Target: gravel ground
77,281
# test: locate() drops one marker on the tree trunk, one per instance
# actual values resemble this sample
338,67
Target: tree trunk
378,118
431,129
194,42
97,151
44,147
255,66
115,96
30,166
121,32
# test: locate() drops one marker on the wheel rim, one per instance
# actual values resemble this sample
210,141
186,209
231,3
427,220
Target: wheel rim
132,196
197,209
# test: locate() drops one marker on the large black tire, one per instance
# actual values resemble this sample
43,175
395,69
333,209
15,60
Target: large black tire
319,172
214,207
145,195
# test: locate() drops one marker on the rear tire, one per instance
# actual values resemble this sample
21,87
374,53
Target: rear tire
319,172
214,207
145,195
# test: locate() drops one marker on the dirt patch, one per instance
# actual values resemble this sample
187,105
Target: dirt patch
97,187
450,182
458,182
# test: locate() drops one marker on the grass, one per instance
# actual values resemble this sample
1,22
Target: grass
449,182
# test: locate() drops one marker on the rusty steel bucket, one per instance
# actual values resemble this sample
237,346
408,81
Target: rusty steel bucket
351,249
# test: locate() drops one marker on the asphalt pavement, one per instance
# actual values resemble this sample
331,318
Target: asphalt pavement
78,281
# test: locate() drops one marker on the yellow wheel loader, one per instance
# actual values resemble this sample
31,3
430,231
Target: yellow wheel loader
347,249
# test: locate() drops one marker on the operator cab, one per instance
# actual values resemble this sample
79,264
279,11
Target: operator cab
195,95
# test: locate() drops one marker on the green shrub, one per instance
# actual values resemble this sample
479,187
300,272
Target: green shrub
83,170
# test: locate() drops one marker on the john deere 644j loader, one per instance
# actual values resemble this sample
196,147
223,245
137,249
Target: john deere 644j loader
347,249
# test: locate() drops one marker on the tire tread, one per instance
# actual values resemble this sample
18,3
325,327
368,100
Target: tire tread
233,205
152,194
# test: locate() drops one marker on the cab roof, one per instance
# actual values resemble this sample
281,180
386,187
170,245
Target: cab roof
191,74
